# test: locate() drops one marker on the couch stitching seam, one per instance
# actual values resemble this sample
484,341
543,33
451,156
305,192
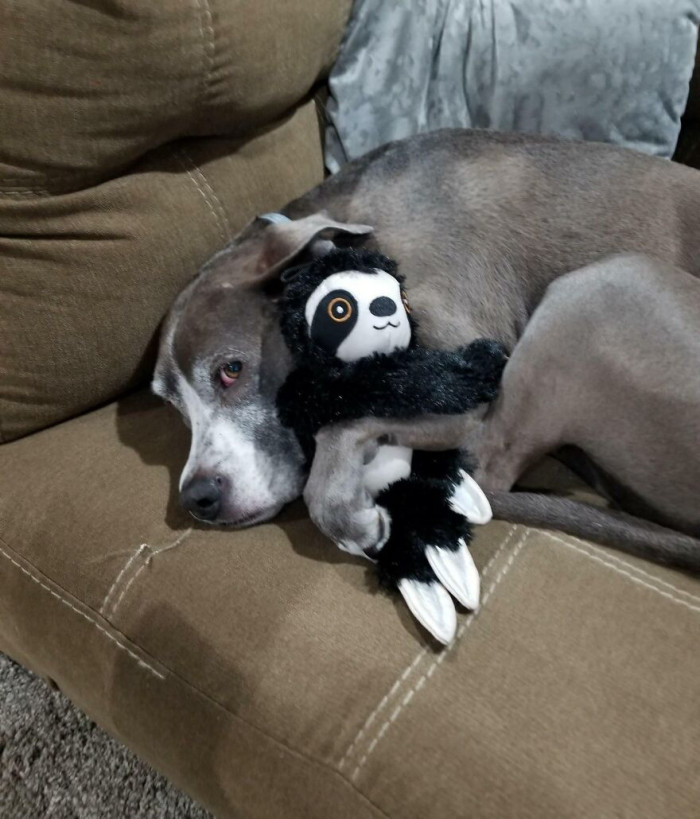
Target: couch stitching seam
28,192
203,42
632,567
50,176
217,200
15,186
204,694
276,740
182,156
236,717
441,657
206,33
53,593
200,692
114,585
153,552
622,572
385,699
409,669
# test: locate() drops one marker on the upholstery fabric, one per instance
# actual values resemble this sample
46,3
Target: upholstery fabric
262,670
265,674
122,123
92,87
588,69
88,275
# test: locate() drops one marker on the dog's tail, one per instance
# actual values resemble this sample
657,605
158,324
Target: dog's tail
605,526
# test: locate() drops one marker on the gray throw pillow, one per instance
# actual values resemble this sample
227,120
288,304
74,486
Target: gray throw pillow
606,70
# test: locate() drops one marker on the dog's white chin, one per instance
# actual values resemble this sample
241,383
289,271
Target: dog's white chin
247,522
244,521
255,517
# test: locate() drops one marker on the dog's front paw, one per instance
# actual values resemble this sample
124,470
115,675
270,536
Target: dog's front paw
360,528
367,532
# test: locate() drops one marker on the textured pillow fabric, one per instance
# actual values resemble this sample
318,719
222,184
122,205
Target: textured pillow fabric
606,70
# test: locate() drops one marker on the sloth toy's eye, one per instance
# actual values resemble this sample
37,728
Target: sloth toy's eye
339,309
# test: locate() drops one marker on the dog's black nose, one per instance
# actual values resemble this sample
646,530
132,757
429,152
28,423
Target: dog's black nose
382,306
202,497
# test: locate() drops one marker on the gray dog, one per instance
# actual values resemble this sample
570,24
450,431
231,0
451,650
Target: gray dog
484,227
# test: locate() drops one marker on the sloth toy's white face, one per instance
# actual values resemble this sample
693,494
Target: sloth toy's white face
354,314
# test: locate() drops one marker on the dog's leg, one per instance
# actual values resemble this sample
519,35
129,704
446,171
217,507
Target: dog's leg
335,495
335,492
529,417
606,364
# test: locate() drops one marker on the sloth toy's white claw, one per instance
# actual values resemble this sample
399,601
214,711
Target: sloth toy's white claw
432,606
457,573
469,500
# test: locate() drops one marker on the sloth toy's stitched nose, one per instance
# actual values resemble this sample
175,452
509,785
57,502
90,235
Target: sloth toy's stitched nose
382,306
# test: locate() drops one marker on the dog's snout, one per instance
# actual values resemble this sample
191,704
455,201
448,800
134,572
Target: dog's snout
382,306
202,497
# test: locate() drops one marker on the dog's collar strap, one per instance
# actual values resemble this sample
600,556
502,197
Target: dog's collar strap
274,218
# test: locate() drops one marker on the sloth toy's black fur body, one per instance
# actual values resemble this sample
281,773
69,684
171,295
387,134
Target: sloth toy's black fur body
322,389
421,515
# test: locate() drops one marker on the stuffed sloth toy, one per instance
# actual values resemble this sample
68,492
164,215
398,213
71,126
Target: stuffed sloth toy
346,321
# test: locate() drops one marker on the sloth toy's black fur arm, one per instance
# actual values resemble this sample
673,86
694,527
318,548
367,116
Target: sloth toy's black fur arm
405,384
418,381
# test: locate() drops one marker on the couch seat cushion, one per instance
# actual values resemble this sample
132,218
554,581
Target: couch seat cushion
264,673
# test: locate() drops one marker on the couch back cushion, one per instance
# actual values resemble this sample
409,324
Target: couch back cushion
137,140
91,87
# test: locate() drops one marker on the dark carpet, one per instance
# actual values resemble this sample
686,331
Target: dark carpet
55,762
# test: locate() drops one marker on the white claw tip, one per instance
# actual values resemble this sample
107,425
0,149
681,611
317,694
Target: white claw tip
457,572
431,605
469,500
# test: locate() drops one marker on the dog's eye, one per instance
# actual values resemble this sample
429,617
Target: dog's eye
339,309
404,299
229,372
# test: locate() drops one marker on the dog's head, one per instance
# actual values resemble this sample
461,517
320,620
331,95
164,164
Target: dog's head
221,362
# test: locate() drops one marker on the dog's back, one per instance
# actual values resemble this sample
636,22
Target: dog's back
491,219
481,223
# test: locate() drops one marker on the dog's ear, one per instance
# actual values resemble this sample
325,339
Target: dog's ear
280,242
